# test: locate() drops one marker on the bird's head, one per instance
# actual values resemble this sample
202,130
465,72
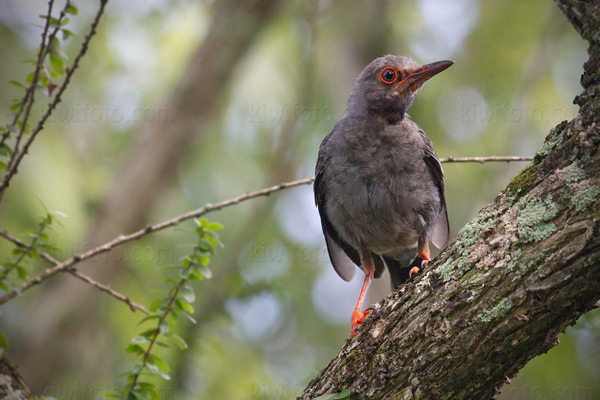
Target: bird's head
389,84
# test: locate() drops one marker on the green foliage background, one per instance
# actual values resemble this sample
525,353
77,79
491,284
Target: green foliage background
275,312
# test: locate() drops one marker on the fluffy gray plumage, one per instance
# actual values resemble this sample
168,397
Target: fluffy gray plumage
379,184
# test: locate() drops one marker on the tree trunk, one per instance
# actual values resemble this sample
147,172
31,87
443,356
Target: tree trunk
519,274
12,385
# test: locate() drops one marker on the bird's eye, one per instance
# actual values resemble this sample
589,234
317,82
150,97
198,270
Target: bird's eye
388,75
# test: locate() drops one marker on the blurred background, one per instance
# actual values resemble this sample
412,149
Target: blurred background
181,103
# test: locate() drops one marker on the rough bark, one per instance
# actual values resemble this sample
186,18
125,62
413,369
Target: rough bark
12,385
520,273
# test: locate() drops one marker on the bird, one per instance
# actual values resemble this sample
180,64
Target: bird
379,184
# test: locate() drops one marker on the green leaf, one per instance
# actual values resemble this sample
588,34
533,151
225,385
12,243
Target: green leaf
66,33
178,340
187,293
214,226
156,304
149,333
71,9
195,275
213,241
22,272
60,214
148,318
64,21
17,84
184,273
155,370
184,306
192,320
3,166
203,269
139,339
203,259
57,64
135,349
163,326
160,363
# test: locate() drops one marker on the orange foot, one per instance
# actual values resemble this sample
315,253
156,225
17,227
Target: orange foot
357,319
413,271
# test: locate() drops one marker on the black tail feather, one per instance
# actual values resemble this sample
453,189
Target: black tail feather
400,273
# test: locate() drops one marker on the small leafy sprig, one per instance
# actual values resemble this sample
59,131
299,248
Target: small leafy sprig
49,66
17,152
22,258
166,312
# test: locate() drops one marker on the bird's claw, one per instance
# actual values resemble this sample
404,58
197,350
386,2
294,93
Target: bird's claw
413,271
416,270
358,318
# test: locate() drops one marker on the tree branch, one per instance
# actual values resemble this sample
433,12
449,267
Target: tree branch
18,157
107,289
520,273
122,239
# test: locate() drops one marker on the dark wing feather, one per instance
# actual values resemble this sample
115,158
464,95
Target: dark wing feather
441,231
343,256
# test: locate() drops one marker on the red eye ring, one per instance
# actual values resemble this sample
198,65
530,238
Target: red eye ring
386,77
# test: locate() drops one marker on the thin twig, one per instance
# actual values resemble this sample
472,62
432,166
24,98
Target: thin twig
31,88
44,50
24,253
107,289
482,160
24,245
121,239
84,46
155,336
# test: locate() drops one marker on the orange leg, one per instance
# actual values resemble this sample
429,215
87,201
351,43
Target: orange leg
423,254
358,316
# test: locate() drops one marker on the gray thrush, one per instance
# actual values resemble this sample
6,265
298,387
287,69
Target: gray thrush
379,185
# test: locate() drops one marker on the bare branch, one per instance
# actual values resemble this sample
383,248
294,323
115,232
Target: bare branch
107,289
44,51
24,245
12,170
28,247
29,93
121,239
482,160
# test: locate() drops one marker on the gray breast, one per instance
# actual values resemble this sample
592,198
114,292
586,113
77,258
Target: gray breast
379,190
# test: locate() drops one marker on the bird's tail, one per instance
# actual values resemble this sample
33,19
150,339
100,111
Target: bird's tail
399,270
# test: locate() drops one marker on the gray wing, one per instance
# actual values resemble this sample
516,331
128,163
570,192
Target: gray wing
342,259
441,231
343,256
